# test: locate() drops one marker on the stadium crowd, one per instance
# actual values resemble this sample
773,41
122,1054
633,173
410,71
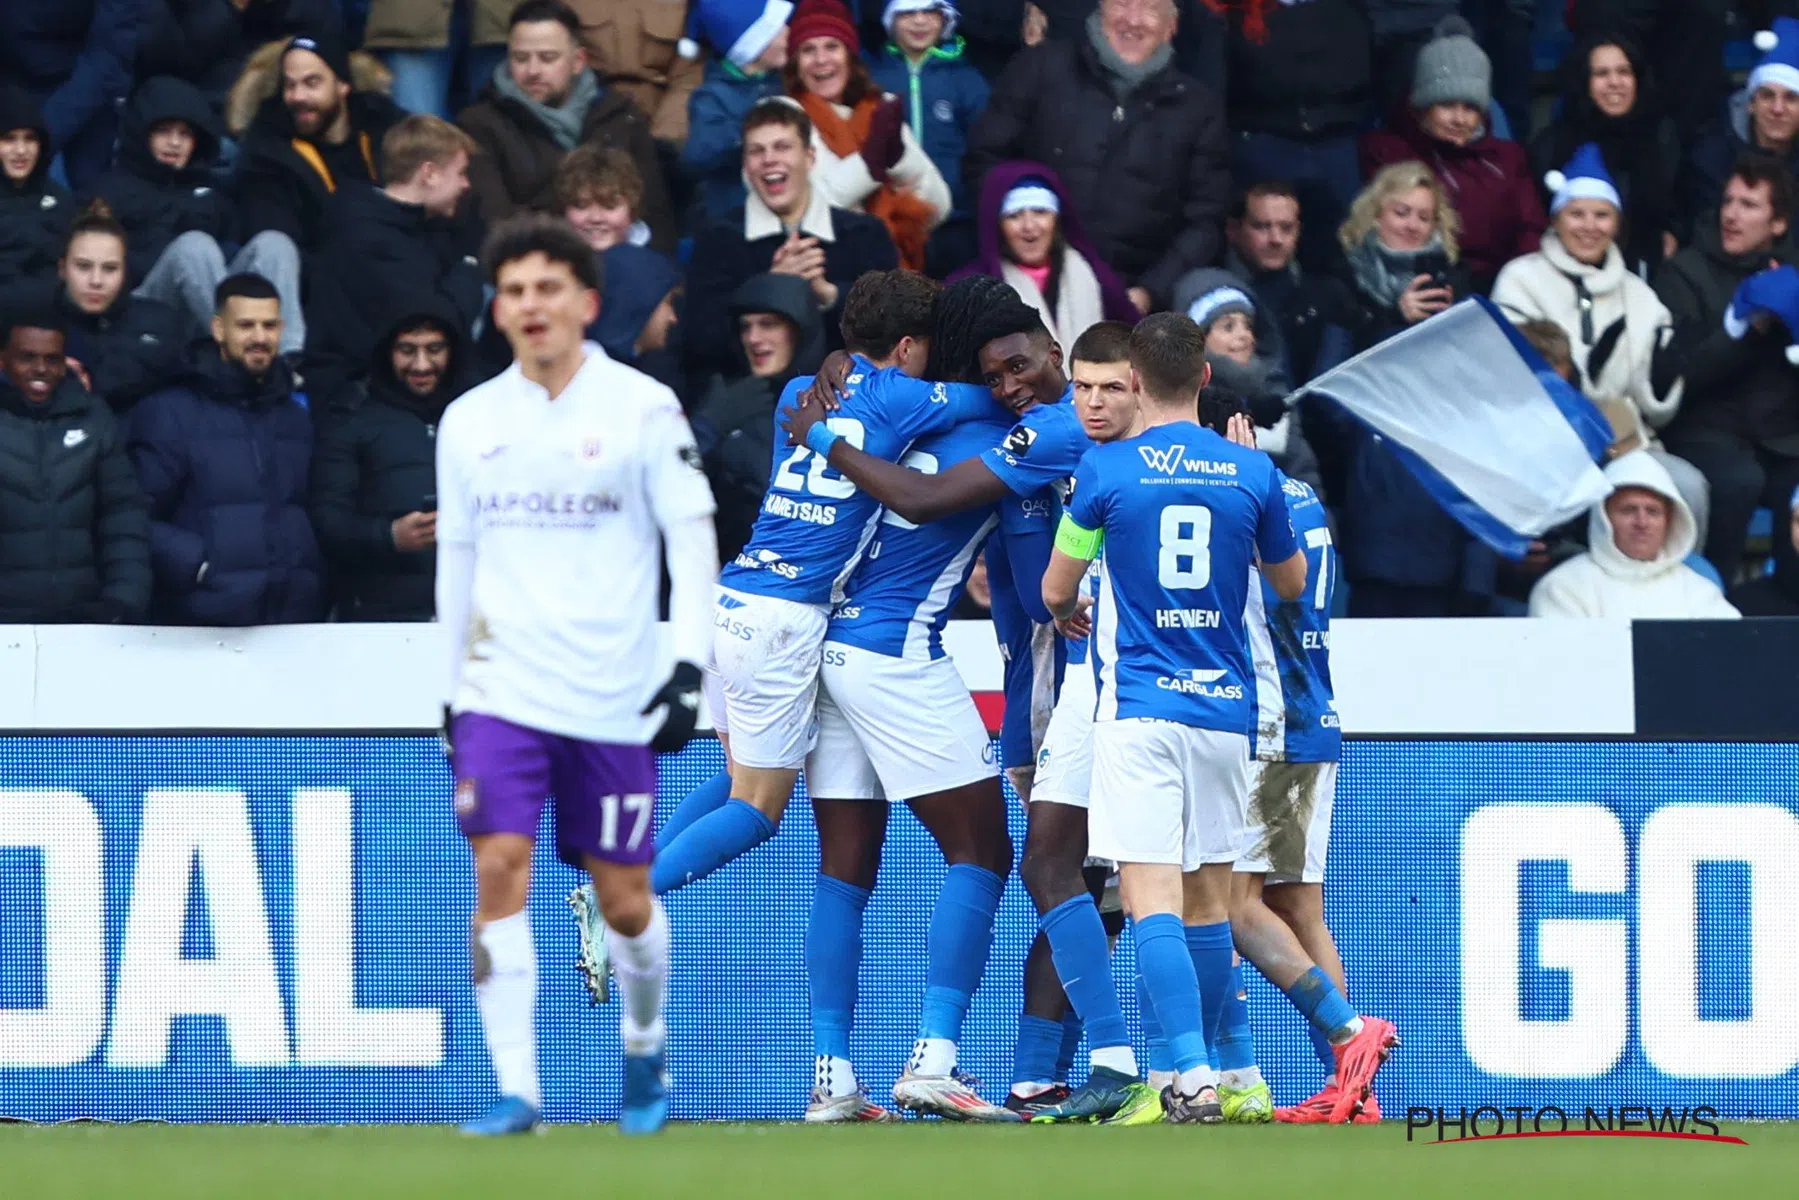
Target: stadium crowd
238,256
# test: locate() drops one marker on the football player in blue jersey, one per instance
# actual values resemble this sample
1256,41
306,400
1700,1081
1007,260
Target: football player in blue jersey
1021,362
1182,515
1277,900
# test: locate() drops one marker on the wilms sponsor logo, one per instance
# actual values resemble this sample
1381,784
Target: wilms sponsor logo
1489,1122
1173,461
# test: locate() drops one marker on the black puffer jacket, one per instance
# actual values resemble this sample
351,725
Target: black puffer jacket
1734,388
1310,77
283,189
1150,178
130,350
224,459
73,529
35,213
156,203
376,461
376,254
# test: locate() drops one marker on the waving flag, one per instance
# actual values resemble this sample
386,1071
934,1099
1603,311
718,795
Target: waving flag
1502,442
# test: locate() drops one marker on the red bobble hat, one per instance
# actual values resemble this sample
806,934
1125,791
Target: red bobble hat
823,18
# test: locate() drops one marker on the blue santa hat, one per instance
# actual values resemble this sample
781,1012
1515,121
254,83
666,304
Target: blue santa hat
1584,178
740,30
1775,292
896,7
1780,56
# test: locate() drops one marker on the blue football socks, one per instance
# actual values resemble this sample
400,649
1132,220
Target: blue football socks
1077,944
1319,1002
709,843
1209,949
707,798
1169,978
960,937
1157,1056
833,958
1236,1044
1071,1045
1034,1056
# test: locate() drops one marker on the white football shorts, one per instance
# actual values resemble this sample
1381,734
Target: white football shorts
1065,764
912,728
765,653
1167,793
1289,830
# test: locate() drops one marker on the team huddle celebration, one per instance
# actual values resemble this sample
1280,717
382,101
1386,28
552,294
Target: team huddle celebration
1161,592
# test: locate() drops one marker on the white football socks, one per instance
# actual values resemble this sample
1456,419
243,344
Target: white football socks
1117,1058
507,999
834,1076
640,965
1246,1077
933,1056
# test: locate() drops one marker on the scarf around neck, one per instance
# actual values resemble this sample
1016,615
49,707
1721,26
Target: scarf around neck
1383,273
907,217
564,121
1124,78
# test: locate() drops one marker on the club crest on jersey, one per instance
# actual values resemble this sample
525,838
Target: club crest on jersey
467,797
1019,440
690,454
590,449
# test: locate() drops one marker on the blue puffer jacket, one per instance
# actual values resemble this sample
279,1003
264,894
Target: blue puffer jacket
943,96
713,155
225,460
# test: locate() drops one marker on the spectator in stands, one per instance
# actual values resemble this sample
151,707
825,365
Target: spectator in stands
1775,594
635,46
1262,237
128,346
72,524
74,57
164,183
600,192
1633,569
750,39
541,103
207,42
1739,417
1683,41
1763,116
310,116
35,211
1301,91
867,159
423,42
1032,238
1607,99
1620,332
787,227
779,336
1401,30
384,243
224,456
1140,146
1445,127
1403,555
374,490
924,64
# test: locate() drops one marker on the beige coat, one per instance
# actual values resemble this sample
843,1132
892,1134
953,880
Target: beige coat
425,24
631,43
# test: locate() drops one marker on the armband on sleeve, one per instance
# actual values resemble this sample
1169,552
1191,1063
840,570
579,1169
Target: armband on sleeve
1077,541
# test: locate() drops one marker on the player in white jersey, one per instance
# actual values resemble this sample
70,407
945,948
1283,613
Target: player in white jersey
562,483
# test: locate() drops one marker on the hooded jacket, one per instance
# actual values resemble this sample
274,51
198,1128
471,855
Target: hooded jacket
734,424
1736,389
225,461
1080,301
35,213
73,530
284,180
1149,176
374,254
942,96
1488,182
516,168
77,54
1604,582
130,350
376,461
157,203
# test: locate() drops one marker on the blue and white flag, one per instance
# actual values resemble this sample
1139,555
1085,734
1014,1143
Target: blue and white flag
1502,442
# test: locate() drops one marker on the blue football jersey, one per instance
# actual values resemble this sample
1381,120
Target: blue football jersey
1296,717
814,523
1031,652
1042,450
900,596
1182,514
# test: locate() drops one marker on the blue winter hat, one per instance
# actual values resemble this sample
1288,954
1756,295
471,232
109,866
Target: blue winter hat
896,7
1584,178
740,30
1775,292
1780,56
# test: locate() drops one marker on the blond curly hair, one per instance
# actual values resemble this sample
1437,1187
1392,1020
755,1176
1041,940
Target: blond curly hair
1396,180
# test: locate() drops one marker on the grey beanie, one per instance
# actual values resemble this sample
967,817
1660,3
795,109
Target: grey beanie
1452,67
1207,293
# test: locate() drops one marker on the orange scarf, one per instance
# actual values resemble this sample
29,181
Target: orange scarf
908,218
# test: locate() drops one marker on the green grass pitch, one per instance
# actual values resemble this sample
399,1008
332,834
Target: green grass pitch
914,1161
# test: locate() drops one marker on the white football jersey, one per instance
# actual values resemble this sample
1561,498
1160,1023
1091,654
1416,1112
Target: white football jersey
564,502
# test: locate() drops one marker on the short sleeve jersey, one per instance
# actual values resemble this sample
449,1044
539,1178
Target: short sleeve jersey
1042,449
1181,514
1290,639
815,523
